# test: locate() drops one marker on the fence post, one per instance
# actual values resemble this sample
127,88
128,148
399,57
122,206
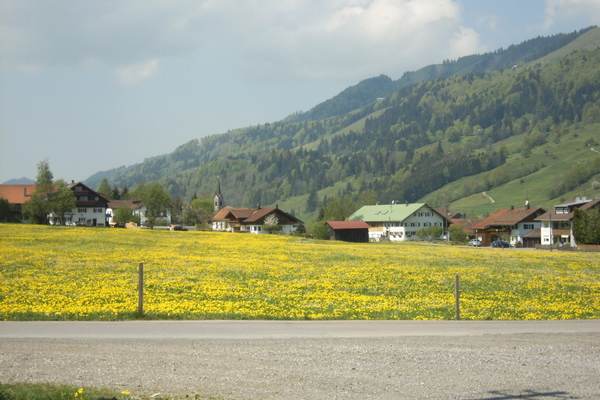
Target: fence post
141,290
457,297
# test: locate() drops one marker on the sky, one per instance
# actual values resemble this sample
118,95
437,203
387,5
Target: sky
93,85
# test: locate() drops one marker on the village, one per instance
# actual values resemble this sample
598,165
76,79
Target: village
526,227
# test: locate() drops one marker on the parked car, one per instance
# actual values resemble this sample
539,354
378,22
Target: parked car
179,228
500,244
475,243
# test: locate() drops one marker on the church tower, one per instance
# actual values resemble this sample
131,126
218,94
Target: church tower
219,203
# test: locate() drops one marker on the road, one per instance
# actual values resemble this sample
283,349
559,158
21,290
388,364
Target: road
316,360
283,329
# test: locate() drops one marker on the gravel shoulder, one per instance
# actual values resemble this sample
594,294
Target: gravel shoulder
562,365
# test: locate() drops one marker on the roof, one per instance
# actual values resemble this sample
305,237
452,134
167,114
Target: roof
582,204
466,222
534,234
387,212
339,225
249,215
16,194
508,217
114,204
590,204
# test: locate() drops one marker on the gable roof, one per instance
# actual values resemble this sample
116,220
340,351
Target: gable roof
590,204
135,204
340,225
508,217
16,194
489,220
251,215
388,212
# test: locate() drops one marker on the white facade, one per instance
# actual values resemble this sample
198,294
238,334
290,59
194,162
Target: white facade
522,228
398,222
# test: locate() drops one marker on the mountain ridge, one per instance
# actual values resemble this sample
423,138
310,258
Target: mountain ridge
305,156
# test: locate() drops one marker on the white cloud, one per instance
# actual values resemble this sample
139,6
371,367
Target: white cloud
361,38
312,39
132,74
560,9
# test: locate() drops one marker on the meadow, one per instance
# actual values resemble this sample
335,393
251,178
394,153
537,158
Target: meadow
69,273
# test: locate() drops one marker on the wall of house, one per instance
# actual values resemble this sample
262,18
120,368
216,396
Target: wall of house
561,232
402,231
88,216
516,234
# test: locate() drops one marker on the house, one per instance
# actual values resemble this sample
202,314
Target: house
509,224
348,231
16,195
90,207
557,225
398,222
137,207
467,224
252,220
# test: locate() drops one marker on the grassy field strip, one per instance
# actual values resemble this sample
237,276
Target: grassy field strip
67,273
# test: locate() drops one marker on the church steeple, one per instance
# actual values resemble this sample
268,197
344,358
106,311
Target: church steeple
219,202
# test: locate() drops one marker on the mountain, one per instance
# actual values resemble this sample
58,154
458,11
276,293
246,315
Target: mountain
20,181
520,118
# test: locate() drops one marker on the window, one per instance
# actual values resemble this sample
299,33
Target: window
82,210
528,226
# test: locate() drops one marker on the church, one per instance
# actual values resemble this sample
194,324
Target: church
251,220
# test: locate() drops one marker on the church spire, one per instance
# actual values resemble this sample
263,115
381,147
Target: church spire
219,202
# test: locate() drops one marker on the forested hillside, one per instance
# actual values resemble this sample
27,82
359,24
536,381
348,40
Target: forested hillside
408,144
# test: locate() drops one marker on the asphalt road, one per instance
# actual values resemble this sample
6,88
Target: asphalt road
282,329
316,360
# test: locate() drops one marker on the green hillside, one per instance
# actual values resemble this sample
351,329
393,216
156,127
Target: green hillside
523,133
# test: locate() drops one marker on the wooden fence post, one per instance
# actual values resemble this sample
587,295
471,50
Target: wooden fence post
457,297
141,290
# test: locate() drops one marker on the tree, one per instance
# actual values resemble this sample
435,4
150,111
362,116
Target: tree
198,211
104,188
4,210
124,214
430,232
586,226
157,202
271,224
62,200
38,206
457,233
312,202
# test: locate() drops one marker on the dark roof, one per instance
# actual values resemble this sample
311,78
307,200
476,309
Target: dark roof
508,217
347,225
114,204
534,234
249,215
590,204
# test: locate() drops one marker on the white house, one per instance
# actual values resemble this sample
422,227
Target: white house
398,222
252,220
557,225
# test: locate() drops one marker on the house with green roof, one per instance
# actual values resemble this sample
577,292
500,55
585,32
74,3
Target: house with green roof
398,222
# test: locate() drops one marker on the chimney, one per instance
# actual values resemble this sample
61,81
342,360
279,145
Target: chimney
512,207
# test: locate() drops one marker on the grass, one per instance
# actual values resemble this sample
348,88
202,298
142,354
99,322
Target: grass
536,186
65,273
49,391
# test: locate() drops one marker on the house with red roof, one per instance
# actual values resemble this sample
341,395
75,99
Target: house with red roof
252,220
16,195
348,231
508,224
